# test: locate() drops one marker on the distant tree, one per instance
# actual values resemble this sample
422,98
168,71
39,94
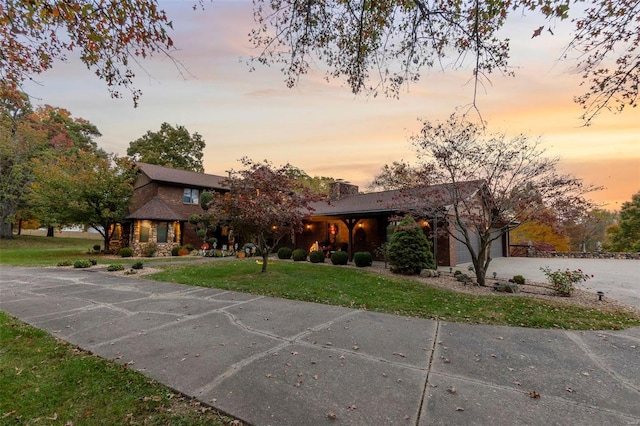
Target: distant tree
625,237
110,38
84,188
398,175
20,143
588,228
513,178
169,147
265,202
380,46
317,184
536,232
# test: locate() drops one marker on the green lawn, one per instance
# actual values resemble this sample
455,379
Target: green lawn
358,288
49,382
26,250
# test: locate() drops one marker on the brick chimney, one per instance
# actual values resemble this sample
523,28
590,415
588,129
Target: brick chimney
339,189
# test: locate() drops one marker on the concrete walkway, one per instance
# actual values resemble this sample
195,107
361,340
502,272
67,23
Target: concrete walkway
277,362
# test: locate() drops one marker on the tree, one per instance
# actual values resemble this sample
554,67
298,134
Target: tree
265,203
490,184
20,143
409,251
587,229
536,232
109,36
382,45
206,223
398,175
169,147
625,237
84,188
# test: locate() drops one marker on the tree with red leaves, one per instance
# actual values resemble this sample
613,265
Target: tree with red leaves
265,203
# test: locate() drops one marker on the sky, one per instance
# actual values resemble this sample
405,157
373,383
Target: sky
325,130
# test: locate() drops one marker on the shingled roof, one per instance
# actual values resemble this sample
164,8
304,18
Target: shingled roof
155,209
181,177
394,200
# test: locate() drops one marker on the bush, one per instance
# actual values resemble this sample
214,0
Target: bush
339,258
137,265
93,261
362,259
115,267
507,287
182,251
83,263
519,279
457,272
189,247
563,282
150,250
175,251
299,255
125,252
409,251
284,253
316,256
65,263
96,247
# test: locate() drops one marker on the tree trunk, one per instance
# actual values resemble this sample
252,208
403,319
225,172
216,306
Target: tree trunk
6,230
265,257
50,230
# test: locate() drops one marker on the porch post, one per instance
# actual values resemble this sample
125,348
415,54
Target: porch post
351,223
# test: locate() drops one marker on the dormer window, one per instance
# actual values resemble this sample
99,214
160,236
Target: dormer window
191,196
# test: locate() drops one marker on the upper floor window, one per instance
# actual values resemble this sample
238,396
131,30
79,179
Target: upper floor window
191,196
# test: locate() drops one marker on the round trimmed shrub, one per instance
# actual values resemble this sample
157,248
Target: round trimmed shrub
175,250
96,247
137,265
362,259
299,255
83,263
409,251
65,263
115,267
93,262
316,256
519,279
125,252
340,258
284,253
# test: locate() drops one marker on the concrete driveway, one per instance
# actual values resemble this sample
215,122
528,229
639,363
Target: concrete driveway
617,278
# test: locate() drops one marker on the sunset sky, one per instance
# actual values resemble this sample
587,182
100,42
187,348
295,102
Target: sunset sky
322,127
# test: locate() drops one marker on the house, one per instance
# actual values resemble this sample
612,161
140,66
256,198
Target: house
363,222
164,199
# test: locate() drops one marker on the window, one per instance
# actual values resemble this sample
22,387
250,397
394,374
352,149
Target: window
145,227
163,230
190,196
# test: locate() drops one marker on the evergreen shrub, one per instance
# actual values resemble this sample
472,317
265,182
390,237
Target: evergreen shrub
340,258
316,256
284,253
362,259
299,255
409,251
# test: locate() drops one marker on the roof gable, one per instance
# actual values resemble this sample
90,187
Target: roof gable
181,177
155,209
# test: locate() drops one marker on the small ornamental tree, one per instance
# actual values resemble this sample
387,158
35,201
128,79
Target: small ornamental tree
483,185
207,222
409,251
264,202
